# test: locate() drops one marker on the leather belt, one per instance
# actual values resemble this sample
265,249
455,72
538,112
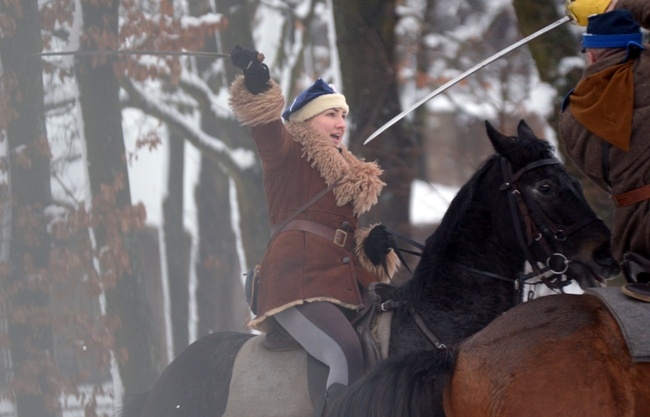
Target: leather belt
632,197
337,236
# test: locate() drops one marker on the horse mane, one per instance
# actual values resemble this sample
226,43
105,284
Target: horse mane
405,383
448,232
455,218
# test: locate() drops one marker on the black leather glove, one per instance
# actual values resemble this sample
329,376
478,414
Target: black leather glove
256,74
378,244
243,58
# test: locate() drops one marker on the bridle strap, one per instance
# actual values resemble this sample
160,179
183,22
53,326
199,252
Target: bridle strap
555,262
559,232
517,206
510,179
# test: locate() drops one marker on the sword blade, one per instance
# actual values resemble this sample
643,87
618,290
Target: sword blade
129,52
466,74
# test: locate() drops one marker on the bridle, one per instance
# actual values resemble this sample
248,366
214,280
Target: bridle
528,236
554,262
528,232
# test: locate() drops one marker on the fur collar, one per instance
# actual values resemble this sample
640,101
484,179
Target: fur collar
360,183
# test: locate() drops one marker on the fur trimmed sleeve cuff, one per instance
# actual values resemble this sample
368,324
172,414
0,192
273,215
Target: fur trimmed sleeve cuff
392,261
255,109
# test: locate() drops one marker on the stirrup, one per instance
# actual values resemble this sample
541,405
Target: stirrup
638,291
636,268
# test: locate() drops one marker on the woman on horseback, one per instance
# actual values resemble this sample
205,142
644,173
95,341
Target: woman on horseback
318,262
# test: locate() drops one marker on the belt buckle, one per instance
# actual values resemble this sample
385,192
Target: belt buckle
340,236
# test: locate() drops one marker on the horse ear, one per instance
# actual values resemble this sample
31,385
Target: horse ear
524,131
501,143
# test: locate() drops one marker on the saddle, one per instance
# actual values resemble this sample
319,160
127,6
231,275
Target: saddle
248,387
375,300
632,317
373,333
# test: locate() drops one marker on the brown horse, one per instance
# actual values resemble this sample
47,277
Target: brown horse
562,355
555,356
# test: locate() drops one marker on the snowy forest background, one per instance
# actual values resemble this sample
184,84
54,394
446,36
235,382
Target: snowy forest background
132,200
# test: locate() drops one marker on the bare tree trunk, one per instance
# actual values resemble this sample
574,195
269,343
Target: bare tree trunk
27,285
218,268
176,245
177,242
135,344
220,295
250,186
366,40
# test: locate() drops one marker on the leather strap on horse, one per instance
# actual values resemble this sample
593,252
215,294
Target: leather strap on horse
339,237
556,262
398,251
632,197
510,185
278,227
426,331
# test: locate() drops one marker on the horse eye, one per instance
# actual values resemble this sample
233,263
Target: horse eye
545,188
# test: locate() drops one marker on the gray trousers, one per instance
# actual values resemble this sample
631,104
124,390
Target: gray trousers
326,333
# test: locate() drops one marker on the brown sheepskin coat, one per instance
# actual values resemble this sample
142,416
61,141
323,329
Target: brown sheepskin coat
298,163
627,170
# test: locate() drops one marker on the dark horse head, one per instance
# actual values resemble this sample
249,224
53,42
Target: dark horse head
562,232
521,206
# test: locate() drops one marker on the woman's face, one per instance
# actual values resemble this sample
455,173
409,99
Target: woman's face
330,123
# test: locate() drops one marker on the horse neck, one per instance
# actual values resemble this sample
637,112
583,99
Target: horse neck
454,303
475,235
478,266
477,232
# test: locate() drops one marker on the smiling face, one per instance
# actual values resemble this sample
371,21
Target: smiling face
330,123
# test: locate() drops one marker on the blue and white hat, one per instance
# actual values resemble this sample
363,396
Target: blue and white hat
615,29
319,97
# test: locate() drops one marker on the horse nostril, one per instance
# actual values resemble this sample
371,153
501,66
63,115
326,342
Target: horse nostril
603,255
603,252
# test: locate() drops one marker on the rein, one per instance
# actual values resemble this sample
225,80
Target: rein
398,250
